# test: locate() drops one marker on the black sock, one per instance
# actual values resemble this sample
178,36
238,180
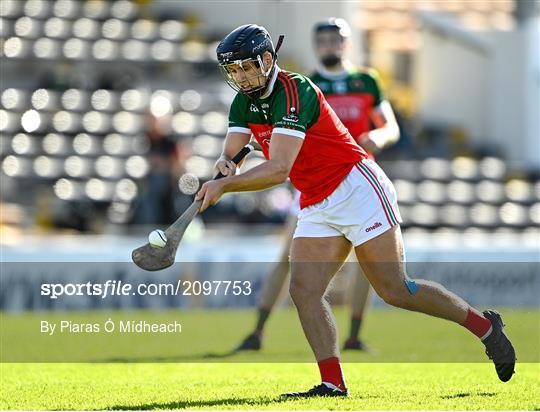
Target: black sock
263,316
355,327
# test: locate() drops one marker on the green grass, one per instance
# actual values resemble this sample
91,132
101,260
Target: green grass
186,378
256,386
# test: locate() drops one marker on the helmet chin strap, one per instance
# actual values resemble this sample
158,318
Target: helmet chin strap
268,73
279,43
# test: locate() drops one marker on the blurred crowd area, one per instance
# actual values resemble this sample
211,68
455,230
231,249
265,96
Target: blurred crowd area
106,104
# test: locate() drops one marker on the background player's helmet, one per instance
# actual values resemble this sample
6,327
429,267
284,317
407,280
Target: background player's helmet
337,27
243,45
335,24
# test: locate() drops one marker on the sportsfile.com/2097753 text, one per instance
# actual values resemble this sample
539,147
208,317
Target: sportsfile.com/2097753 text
120,288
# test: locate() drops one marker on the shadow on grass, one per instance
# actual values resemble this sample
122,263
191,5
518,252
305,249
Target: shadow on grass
229,356
466,394
173,359
195,404
253,402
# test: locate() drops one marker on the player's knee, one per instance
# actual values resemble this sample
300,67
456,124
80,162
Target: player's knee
302,291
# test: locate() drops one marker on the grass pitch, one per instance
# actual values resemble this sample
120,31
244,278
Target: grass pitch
250,382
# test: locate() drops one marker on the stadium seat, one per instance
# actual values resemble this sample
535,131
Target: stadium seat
68,9
45,100
490,191
465,168
45,48
184,123
56,144
454,215
482,214
518,190
77,49
124,10
57,28
460,192
436,169
492,168
513,214
17,48
207,146
431,191
11,8
28,27
24,144
134,100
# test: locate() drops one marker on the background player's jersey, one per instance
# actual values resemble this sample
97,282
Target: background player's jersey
297,107
352,95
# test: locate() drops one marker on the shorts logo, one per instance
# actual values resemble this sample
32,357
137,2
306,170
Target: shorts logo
375,226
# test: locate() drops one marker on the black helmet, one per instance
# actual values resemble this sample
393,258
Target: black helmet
335,24
246,44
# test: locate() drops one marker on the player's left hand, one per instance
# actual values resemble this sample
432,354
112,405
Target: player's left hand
367,143
210,193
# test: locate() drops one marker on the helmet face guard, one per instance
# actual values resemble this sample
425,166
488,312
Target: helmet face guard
253,81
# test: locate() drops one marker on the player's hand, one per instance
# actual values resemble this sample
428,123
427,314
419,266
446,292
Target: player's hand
210,193
225,166
367,143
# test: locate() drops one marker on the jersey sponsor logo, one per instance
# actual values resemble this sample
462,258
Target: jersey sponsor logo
291,117
376,225
264,134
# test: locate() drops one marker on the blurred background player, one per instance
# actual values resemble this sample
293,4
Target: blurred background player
355,95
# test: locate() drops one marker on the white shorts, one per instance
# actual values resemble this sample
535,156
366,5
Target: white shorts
362,207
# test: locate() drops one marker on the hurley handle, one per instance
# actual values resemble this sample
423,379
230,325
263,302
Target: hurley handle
238,158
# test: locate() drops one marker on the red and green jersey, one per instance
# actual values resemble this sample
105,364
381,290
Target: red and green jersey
352,94
296,107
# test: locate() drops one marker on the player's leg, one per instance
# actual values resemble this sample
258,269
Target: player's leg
273,284
382,259
271,290
359,299
314,261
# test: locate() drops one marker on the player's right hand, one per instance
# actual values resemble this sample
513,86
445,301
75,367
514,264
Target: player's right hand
225,166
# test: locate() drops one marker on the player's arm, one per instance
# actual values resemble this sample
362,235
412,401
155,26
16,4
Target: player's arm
283,152
234,141
386,131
